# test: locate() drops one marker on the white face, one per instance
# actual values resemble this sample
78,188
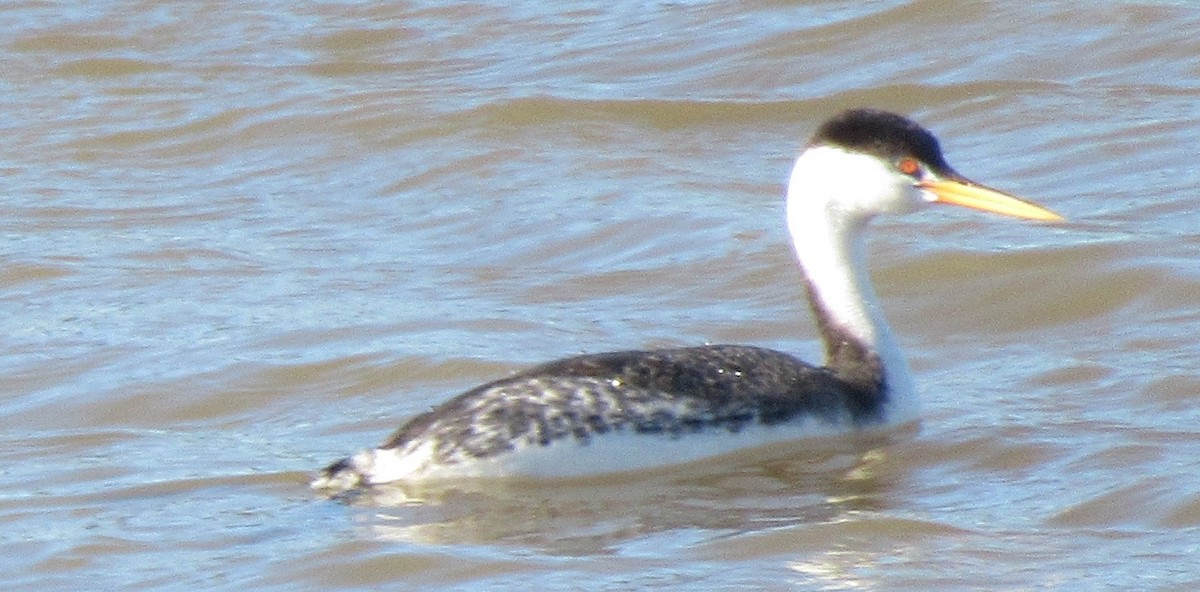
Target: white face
853,186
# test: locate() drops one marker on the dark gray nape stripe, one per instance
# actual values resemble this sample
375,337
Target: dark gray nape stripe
674,392
855,363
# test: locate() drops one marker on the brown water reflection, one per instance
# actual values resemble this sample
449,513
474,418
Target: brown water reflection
241,242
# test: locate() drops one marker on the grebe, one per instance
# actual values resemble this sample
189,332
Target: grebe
617,411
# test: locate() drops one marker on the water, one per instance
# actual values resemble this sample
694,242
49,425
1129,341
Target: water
242,241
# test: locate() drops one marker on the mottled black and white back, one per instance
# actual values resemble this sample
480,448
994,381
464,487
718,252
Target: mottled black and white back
677,404
631,410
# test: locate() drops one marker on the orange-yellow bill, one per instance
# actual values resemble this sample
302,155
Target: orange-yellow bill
967,194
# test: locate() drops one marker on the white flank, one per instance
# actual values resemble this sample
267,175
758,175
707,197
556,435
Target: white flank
615,452
832,196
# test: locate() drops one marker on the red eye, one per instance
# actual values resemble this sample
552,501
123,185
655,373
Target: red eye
909,166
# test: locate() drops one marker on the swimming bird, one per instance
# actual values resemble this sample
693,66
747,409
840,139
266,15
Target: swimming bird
629,410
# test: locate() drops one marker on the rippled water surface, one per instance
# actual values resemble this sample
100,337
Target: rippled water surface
240,241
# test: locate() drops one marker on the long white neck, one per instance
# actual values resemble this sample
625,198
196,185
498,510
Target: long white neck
827,231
